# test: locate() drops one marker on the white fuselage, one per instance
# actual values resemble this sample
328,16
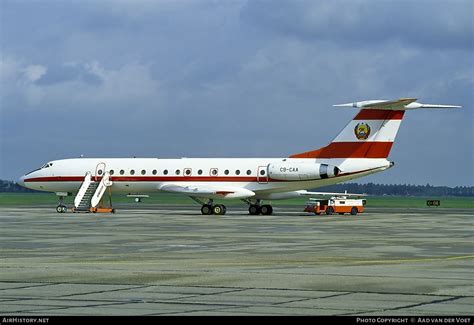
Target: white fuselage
135,175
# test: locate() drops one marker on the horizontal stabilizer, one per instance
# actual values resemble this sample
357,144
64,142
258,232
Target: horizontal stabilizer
401,104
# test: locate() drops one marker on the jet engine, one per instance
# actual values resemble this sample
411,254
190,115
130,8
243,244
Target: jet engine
301,171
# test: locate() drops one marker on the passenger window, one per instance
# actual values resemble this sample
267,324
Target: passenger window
122,172
143,172
177,172
214,171
249,172
226,172
262,172
154,172
200,172
132,172
187,171
111,172
237,172
99,172
165,172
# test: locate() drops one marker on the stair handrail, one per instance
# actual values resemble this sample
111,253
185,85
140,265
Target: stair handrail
82,190
99,192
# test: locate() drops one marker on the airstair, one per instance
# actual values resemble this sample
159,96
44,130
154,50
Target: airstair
91,192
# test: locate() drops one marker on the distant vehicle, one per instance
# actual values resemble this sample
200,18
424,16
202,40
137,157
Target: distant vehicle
333,205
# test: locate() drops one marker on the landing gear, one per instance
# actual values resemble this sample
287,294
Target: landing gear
206,209
211,208
256,209
266,209
61,208
219,209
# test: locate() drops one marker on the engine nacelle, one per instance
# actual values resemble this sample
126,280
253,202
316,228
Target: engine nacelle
301,171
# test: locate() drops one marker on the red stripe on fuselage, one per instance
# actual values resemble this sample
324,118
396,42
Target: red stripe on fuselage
153,179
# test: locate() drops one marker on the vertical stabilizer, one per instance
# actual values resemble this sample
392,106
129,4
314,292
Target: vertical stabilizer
369,135
372,131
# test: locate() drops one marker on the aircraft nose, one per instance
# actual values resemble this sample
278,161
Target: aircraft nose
21,181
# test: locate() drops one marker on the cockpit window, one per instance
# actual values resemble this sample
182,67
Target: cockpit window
46,165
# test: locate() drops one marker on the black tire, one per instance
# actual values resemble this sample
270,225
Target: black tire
224,209
254,210
218,209
317,213
59,209
206,209
329,211
354,211
266,209
64,209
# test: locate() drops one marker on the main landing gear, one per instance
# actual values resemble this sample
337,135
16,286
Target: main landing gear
210,208
257,208
217,209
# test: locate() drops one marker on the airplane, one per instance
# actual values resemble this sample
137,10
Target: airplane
360,149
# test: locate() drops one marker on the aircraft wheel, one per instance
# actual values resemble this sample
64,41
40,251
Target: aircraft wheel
266,209
206,209
218,209
329,211
64,209
354,211
59,209
254,210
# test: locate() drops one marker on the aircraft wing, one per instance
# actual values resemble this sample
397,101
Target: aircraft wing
307,193
208,191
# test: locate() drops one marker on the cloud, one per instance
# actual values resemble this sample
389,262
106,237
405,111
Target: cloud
364,23
84,86
232,79
33,73
66,72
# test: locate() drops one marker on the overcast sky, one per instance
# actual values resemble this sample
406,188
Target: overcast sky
233,79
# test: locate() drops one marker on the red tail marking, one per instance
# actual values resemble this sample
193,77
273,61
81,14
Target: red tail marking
379,114
349,150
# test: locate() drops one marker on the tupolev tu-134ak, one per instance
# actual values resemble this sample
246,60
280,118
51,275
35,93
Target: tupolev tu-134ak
360,149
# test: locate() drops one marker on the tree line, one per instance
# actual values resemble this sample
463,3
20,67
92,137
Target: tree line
369,188
399,189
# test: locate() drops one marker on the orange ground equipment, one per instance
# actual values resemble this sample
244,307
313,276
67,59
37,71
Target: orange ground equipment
340,205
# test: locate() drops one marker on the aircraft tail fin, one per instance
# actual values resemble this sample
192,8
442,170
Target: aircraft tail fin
372,131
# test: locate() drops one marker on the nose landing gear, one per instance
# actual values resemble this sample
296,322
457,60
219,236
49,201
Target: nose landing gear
61,208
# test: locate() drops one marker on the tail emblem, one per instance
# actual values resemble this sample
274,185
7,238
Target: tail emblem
362,131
